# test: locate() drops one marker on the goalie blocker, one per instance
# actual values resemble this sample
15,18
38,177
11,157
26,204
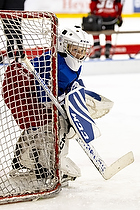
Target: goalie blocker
79,116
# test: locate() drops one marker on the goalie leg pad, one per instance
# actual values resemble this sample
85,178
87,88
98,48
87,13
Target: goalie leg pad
68,168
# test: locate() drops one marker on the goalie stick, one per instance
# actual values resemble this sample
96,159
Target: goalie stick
106,171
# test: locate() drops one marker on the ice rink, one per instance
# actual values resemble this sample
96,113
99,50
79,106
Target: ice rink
118,80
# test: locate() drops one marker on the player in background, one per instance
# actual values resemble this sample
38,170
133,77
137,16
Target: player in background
12,28
110,11
73,48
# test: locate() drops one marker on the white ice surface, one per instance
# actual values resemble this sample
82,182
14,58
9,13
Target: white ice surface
120,134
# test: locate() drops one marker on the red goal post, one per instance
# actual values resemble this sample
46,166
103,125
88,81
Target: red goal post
21,112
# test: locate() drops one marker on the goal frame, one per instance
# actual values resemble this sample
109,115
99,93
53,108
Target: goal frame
54,20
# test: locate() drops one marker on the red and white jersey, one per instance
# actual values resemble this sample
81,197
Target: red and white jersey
106,8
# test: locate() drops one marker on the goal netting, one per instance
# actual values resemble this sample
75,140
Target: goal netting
29,143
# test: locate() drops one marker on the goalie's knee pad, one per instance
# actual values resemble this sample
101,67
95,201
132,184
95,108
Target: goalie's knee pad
35,151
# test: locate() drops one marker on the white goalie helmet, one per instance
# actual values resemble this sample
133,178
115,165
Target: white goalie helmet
75,45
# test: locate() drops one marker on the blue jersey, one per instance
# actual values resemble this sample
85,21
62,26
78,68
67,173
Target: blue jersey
66,76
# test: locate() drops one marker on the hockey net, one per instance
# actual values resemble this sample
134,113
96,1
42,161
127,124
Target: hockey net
29,145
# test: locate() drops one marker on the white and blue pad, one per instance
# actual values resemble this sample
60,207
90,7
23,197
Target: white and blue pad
79,116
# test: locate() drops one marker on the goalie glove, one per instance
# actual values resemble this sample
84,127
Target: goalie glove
97,105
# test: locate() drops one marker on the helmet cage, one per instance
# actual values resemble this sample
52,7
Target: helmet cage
78,51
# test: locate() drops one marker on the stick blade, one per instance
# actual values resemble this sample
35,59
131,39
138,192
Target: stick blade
118,165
